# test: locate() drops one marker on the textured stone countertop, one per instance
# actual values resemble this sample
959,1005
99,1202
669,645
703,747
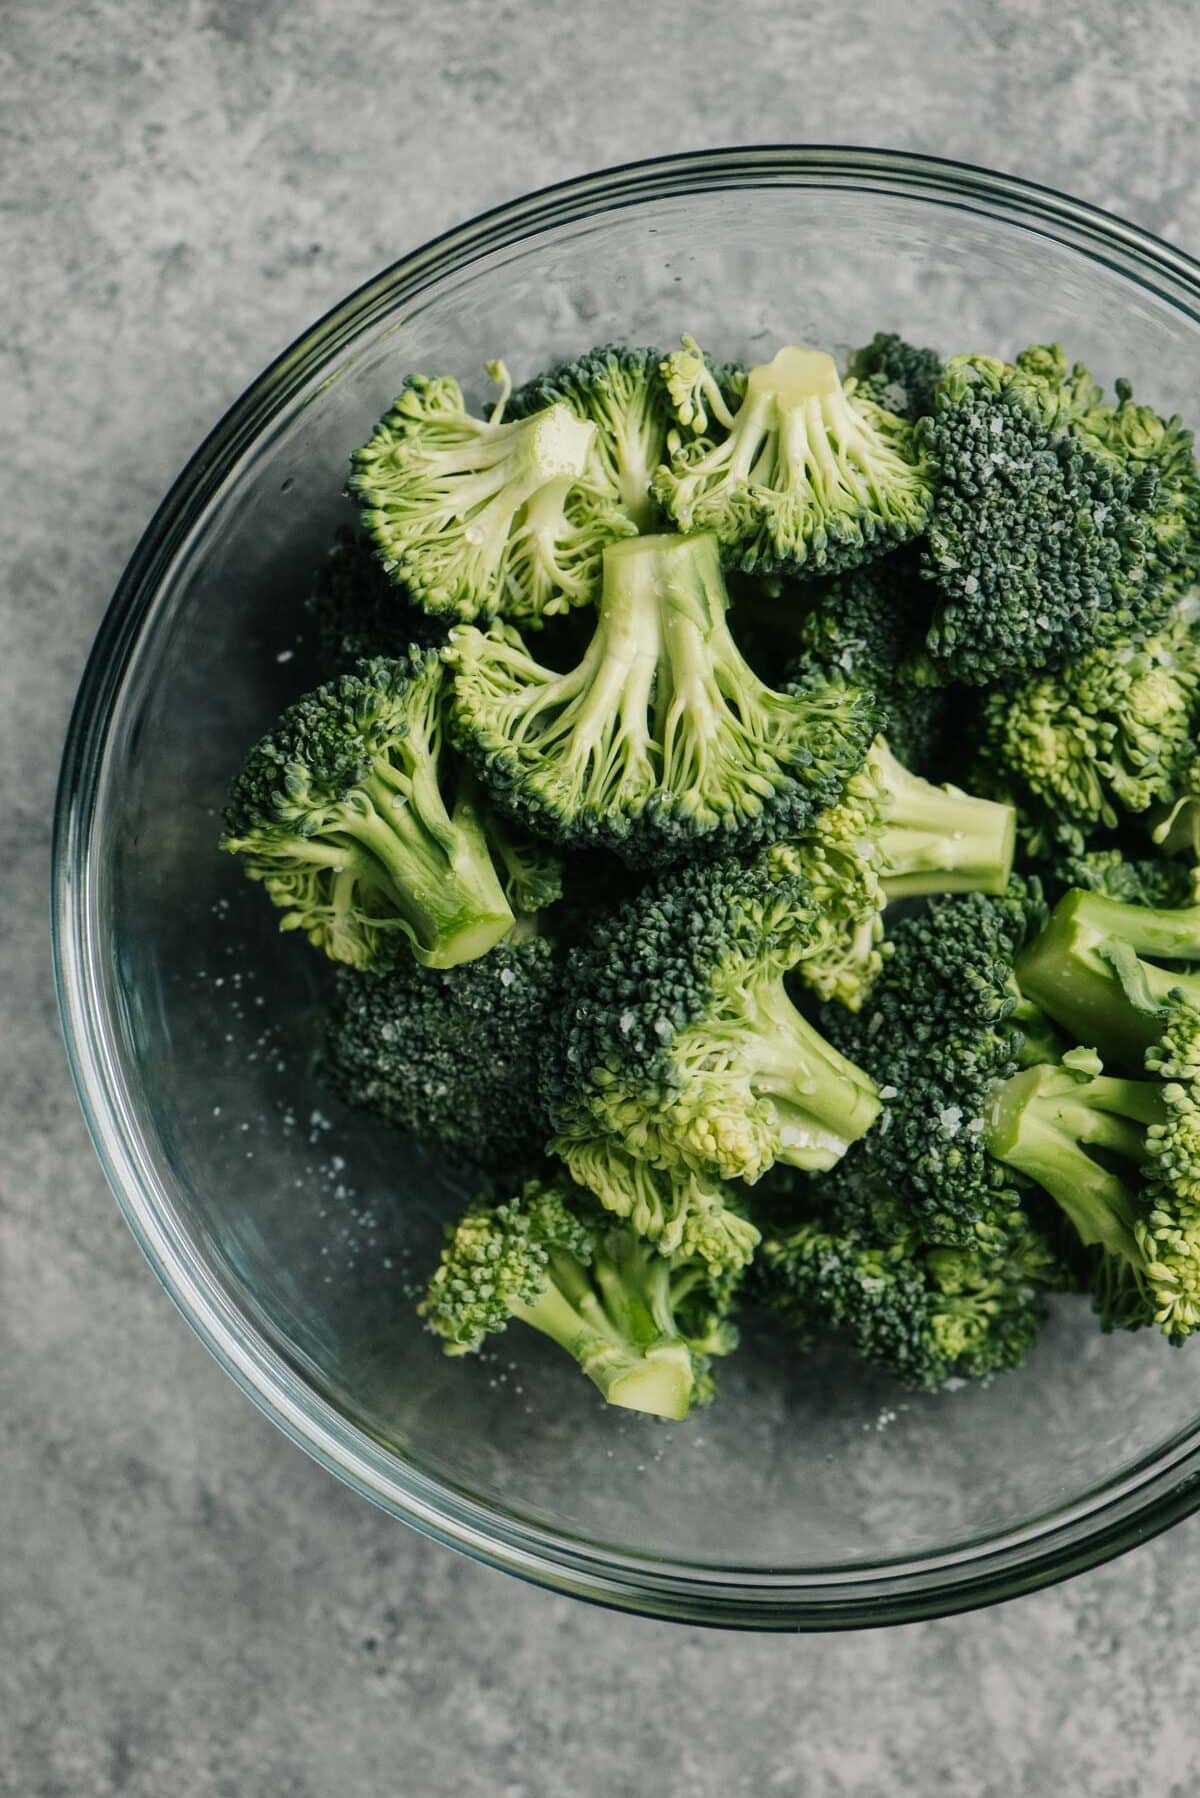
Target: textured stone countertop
187,1604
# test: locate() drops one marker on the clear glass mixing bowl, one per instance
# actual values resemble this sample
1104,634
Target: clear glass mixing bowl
292,1235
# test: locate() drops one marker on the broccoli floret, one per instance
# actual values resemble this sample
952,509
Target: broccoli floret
477,516
661,740
622,393
1100,967
870,624
340,812
359,612
803,475
896,375
1043,540
1161,446
450,1055
1167,884
677,1038
945,1022
641,1325
1121,1157
927,1315
1106,736
893,836
675,1208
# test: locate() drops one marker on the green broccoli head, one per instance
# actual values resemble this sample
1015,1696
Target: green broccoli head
1165,451
622,393
893,836
1043,537
1121,1158
340,812
360,613
927,1315
450,1055
804,475
660,741
1158,883
641,1325
945,1021
870,625
676,1036
896,375
1108,735
478,516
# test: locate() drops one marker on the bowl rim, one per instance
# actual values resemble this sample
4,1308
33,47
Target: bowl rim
1097,1525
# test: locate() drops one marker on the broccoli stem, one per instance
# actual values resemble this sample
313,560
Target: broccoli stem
623,1336
822,1101
439,877
1044,1122
941,840
1087,970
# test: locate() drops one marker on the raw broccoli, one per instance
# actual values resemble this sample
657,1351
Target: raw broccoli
1101,967
896,375
622,393
893,836
359,612
641,1325
1122,1158
675,1208
477,516
662,740
870,624
340,812
945,1022
1138,882
927,1315
982,1098
1050,534
1136,434
677,1038
1109,735
803,475
450,1054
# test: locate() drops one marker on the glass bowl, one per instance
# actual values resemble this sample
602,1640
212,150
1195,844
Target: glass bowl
292,1235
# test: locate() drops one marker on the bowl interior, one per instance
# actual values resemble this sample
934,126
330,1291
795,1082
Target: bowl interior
316,1227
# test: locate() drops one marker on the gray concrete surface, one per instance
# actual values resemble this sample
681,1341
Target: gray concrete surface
187,1605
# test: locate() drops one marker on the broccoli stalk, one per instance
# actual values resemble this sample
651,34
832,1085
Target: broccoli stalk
482,515
805,474
639,1324
1096,970
939,839
662,736
340,813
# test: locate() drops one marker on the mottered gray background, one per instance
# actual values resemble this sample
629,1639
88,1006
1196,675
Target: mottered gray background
187,1604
